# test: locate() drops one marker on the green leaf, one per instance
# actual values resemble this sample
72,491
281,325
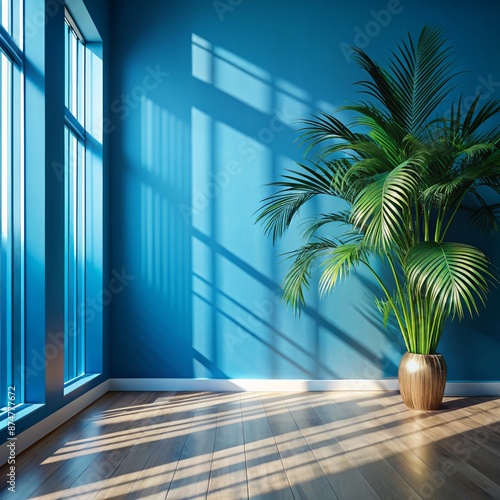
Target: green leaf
298,276
385,307
312,224
382,207
449,275
340,262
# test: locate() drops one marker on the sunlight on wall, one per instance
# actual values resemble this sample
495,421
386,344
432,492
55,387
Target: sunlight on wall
250,84
231,74
203,298
292,101
236,302
164,153
202,166
202,59
242,80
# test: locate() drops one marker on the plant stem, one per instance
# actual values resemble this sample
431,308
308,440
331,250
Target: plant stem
391,302
458,204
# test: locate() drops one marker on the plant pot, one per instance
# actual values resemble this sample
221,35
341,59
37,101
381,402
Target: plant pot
422,378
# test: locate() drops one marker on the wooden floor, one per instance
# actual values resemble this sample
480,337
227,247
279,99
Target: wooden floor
353,445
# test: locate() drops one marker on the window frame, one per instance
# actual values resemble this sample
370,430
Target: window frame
75,365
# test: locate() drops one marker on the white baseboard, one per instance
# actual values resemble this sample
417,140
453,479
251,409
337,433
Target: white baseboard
246,385
272,385
41,429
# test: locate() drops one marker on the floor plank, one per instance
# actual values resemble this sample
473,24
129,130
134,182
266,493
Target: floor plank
154,480
265,470
228,477
192,474
305,475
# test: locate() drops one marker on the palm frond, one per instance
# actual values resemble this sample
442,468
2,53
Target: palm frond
382,207
340,262
450,275
279,210
445,192
300,186
423,75
381,86
420,79
298,276
486,217
310,225
385,308
488,110
327,128
382,128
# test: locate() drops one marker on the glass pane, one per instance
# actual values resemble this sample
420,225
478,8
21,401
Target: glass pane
80,83
6,14
12,233
67,80
17,22
73,71
75,75
75,206
74,257
6,227
80,259
67,165
17,376
11,16
70,258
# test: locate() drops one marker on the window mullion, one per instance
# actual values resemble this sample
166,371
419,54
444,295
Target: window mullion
74,125
10,48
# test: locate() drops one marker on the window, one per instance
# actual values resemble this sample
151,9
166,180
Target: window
74,196
83,202
12,204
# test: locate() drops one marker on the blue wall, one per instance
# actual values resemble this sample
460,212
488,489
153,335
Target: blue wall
204,98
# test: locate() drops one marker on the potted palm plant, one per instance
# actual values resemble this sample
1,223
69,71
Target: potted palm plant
406,162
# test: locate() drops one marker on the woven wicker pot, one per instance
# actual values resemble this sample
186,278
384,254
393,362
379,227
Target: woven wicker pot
422,378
